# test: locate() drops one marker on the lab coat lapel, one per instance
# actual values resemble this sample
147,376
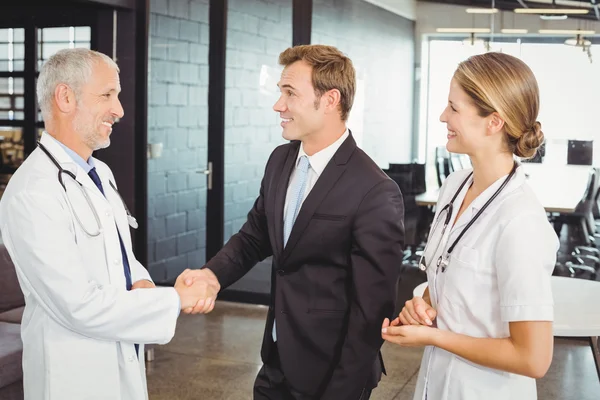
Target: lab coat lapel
67,163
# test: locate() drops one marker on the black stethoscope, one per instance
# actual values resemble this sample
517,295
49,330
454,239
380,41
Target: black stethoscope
132,221
444,259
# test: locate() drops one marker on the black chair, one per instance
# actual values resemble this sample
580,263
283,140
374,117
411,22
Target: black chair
584,258
583,212
455,162
409,177
442,164
580,152
411,180
593,224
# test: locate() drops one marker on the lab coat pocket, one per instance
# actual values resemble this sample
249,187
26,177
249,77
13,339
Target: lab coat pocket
471,289
460,276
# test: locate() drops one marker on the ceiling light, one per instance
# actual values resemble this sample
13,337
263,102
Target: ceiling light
551,11
481,10
565,32
553,17
514,30
578,42
463,30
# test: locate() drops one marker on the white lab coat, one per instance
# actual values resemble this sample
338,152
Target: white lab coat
80,323
499,272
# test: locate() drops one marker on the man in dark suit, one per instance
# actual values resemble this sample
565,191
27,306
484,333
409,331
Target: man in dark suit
333,222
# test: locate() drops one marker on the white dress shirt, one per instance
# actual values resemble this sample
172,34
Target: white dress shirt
318,162
499,272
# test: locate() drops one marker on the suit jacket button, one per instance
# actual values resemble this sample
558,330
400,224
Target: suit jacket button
281,272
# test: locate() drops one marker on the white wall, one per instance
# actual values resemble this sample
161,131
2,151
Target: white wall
431,16
405,8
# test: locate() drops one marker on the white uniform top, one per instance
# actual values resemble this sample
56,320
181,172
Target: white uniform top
498,272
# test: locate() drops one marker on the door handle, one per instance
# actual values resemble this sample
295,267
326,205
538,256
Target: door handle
209,173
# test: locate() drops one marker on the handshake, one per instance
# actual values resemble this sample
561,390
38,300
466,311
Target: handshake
197,290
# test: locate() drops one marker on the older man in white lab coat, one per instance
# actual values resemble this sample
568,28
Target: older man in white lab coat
90,305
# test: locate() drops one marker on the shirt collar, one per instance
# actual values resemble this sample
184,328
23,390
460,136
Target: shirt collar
86,166
319,160
516,181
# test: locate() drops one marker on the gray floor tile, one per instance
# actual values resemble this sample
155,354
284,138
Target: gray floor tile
217,357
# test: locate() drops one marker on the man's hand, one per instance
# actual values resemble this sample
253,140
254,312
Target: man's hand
198,290
417,312
143,284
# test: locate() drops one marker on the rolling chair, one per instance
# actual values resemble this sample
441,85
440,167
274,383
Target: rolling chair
455,162
442,164
584,257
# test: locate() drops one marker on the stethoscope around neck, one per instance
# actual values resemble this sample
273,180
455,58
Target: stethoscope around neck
130,218
444,259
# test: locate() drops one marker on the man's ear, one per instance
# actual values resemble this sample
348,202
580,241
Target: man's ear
331,101
64,98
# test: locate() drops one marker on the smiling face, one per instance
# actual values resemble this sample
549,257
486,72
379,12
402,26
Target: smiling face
300,109
467,130
98,107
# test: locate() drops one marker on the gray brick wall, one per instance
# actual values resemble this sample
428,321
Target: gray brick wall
178,118
381,46
257,31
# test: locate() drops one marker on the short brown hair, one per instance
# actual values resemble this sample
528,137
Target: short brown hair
331,69
498,82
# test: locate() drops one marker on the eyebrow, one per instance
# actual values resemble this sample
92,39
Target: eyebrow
286,85
112,89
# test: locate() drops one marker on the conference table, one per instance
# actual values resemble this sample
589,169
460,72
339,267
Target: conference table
558,187
576,310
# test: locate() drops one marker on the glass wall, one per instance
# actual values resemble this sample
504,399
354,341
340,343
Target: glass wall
381,46
177,136
568,82
257,31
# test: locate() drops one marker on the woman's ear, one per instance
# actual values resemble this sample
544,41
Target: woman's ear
495,123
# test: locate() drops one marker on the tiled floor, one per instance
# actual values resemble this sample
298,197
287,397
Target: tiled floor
216,357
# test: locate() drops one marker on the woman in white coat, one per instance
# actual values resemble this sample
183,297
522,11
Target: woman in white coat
486,317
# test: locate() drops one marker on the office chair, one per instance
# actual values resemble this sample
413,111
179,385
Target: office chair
442,164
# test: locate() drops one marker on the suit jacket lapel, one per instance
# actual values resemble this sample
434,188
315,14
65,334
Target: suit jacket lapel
334,170
280,191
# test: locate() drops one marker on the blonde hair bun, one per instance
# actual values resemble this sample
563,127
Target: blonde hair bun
530,141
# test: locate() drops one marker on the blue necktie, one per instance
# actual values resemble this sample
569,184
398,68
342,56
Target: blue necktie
96,179
296,195
94,176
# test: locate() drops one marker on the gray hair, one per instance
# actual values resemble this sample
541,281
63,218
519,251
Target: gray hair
72,67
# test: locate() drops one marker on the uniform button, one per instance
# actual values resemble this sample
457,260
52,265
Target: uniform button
116,261
280,272
108,213
131,359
